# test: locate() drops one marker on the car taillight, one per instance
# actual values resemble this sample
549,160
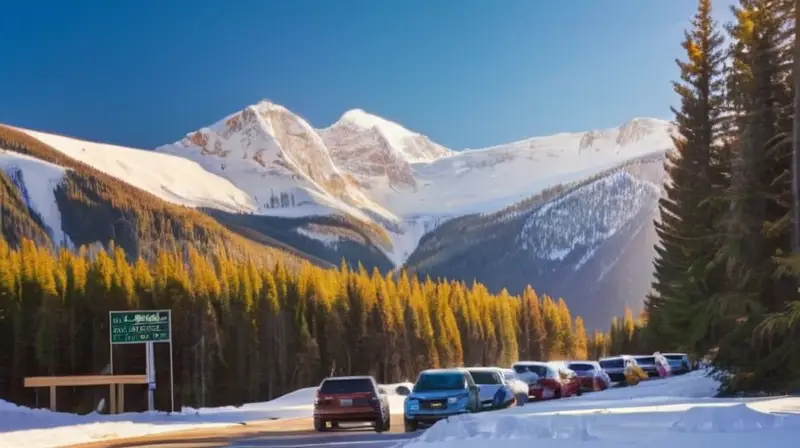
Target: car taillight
316,401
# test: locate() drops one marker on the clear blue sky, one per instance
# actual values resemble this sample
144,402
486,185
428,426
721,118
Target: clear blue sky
467,73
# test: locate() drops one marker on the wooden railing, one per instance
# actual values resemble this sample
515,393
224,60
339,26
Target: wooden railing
116,385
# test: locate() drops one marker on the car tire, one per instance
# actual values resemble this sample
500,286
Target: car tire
320,425
380,424
410,425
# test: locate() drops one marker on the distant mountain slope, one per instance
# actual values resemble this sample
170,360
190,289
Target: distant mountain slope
46,186
591,242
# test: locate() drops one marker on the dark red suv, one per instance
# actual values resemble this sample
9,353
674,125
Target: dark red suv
351,399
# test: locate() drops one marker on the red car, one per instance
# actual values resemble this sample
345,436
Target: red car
548,379
351,399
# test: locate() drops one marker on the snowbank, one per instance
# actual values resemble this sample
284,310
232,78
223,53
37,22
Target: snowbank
32,428
677,411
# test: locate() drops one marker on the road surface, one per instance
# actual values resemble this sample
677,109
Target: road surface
290,433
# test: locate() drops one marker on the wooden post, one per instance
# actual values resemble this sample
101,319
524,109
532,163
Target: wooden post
53,398
112,399
121,399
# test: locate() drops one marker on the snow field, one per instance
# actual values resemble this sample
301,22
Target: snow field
41,428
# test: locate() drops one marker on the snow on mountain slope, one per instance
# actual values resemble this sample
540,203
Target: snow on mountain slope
36,181
279,159
174,179
377,171
561,226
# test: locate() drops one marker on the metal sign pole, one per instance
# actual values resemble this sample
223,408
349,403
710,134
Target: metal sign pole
171,374
110,345
151,374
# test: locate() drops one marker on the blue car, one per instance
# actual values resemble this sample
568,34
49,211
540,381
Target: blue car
438,394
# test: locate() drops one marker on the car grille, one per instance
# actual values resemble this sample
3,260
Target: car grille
433,404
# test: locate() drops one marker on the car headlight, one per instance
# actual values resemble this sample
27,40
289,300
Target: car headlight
452,400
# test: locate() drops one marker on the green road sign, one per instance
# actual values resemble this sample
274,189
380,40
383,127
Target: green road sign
134,327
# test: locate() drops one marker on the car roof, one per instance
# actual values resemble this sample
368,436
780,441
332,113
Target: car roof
612,358
356,377
483,369
447,370
593,363
675,354
532,363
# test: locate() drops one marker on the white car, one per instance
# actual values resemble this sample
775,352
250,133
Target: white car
493,391
518,387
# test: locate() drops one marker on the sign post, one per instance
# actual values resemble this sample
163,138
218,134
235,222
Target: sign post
144,327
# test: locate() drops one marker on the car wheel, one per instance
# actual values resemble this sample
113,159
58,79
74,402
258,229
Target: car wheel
380,424
410,425
320,425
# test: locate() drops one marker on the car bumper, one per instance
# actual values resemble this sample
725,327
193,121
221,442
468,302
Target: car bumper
353,416
431,417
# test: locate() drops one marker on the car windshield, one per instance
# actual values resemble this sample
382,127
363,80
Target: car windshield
484,377
646,360
440,381
509,374
612,363
581,367
346,386
537,369
674,357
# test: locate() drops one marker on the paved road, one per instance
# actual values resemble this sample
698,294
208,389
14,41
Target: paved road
354,437
277,433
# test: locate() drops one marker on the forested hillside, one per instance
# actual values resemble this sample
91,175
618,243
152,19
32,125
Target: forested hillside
242,332
726,285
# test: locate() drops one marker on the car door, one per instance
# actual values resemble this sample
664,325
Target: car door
474,397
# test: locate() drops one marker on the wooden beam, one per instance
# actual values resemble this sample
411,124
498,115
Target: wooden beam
112,399
86,380
53,398
120,398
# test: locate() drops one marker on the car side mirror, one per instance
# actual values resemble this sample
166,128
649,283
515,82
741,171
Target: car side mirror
403,390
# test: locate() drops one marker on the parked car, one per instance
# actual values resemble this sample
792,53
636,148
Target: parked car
592,377
438,394
678,362
351,399
518,387
623,370
655,365
548,379
493,391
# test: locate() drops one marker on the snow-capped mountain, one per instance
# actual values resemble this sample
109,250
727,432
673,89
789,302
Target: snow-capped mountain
377,172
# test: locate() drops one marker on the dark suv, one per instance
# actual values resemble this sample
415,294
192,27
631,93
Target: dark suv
351,399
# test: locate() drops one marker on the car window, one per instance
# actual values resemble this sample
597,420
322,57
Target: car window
509,375
613,363
537,369
581,367
646,360
484,377
346,386
440,381
674,357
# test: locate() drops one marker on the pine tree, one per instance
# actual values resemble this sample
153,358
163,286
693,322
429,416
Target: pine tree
685,277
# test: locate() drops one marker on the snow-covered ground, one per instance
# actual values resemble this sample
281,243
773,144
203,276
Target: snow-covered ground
676,412
39,428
